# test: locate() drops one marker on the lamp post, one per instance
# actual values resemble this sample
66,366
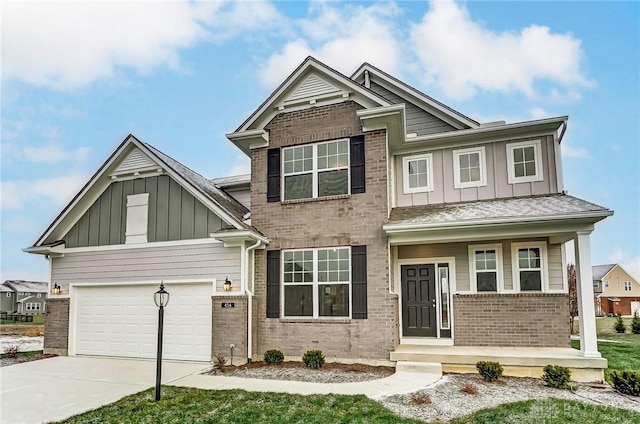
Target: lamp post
161,297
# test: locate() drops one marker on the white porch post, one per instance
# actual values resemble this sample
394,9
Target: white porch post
584,286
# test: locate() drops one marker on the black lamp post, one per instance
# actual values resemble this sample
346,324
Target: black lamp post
161,297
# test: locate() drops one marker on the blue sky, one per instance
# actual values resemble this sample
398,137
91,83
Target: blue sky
78,77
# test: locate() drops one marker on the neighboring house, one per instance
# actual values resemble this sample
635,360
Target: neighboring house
384,226
616,291
24,297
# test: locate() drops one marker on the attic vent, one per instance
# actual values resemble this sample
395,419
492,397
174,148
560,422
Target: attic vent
135,162
311,87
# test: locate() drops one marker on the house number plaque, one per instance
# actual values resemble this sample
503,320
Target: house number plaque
228,305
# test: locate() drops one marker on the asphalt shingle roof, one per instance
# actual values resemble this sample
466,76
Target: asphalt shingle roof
555,205
27,286
600,271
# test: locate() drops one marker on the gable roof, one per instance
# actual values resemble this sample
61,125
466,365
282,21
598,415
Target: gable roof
226,207
5,289
599,271
27,286
426,102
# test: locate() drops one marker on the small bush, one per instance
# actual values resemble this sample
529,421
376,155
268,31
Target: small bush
619,325
11,351
273,357
635,323
420,398
469,388
219,360
490,371
627,382
557,376
313,358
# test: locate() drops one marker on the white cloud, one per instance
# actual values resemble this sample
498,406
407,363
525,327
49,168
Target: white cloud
570,151
463,56
18,194
70,44
343,37
54,154
242,165
632,266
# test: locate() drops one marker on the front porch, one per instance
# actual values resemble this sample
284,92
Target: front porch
516,361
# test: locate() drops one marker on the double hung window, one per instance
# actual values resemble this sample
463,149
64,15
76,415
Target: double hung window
485,264
318,170
418,173
317,282
529,266
627,286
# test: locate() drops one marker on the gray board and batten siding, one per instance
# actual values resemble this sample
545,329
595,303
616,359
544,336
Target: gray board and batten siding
497,176
418,121
174,214
178,262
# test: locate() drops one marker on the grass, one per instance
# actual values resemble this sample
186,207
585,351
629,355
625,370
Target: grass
550,411
37,320
186,405
20,354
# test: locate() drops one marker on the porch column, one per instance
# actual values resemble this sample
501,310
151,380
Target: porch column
584,287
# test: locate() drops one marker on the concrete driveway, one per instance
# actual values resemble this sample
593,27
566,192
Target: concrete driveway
57,388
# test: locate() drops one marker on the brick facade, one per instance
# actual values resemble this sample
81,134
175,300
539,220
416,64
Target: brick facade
56,327
229,326
352,220
620,306
523,320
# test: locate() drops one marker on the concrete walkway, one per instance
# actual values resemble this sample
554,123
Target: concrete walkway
400,382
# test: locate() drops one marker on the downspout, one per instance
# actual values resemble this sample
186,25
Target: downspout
249,294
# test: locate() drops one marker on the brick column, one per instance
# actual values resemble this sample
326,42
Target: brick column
229,326
56,327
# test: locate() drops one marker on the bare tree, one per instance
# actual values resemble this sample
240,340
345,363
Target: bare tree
573,295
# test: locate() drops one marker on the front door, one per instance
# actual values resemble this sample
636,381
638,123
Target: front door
418,301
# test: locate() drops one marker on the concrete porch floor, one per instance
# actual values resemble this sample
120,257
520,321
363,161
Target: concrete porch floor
516,361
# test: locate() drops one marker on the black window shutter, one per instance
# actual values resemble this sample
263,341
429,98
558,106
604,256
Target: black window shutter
359,282
273,175
273,284
357,164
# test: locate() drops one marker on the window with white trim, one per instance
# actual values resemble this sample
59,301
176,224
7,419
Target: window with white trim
417,173
524,160
317,170
39,295
8,294
469,166
317,283
33,306
485,266
529,266
627,286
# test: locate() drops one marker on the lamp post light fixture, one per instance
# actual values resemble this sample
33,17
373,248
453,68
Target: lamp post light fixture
56,289
161,297
227,284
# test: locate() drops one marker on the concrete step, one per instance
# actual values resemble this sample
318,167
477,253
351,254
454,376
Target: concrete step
419,367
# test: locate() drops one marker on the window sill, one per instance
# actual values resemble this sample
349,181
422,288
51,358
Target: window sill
317,199
326,320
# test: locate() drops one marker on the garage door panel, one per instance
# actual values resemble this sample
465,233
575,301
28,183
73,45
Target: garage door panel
122,320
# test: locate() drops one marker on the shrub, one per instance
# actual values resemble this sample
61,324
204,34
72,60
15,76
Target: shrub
557,376
273,357
420,398
11,351
490,371
469,388
635,323
313,358
219,360
619,325
627,382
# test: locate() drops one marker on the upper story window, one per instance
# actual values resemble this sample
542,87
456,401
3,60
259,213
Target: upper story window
318,170
417,173
606,284
524,160
317,282
485,265
469,167
529,265
8,294
39,295
627,286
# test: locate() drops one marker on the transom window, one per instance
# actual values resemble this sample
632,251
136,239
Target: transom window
485,264
469,167
33,306
317,282
627,286
525,161
418,173
318,170
529,260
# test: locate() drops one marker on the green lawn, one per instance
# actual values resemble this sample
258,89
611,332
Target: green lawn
37,320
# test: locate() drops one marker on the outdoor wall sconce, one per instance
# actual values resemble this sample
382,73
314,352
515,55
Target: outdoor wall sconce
56,289
227,285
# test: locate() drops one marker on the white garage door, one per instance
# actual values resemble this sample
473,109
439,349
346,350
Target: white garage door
122,320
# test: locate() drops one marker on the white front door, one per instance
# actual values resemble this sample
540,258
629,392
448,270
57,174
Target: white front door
122,320
635,306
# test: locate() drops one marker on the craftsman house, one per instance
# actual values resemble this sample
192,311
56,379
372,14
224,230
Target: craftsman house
23,297
616,291
384,227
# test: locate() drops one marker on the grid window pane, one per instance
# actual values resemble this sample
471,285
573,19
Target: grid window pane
418,173
469,164
333,300
333,155
524,161
333,265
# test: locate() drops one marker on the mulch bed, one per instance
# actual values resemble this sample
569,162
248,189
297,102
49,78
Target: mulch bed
327,367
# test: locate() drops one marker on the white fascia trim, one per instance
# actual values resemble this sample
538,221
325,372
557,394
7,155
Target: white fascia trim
391,118
250,139
150,245
236,238
391,228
